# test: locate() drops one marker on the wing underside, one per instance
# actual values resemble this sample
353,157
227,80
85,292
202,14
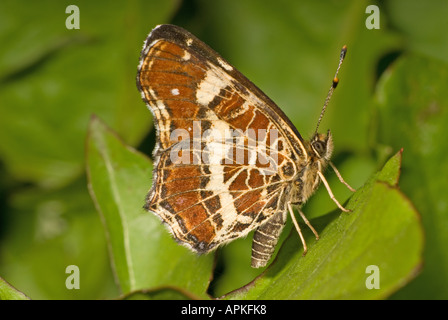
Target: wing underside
225,153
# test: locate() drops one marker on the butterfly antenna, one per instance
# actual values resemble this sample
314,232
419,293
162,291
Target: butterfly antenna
333,86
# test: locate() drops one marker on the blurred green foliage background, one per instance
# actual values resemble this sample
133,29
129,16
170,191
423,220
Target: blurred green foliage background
392,94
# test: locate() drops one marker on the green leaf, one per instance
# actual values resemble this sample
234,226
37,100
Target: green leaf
412,113
383,230
8,292
143,253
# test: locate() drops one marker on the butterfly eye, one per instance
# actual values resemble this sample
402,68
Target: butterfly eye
320,147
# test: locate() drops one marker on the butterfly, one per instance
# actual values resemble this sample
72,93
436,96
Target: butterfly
227,160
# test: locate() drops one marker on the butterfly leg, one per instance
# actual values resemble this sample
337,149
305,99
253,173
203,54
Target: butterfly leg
340,177
299,231
308,224
321,176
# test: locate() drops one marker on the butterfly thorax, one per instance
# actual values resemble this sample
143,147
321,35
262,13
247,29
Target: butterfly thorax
319,150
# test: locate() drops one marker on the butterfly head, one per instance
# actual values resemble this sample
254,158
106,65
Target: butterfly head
322,146
319,150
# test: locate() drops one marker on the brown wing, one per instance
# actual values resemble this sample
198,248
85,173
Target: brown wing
209,187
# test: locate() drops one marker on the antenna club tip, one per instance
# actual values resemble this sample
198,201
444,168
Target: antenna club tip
343,51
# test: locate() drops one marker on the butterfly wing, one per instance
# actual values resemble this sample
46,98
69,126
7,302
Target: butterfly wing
210,190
